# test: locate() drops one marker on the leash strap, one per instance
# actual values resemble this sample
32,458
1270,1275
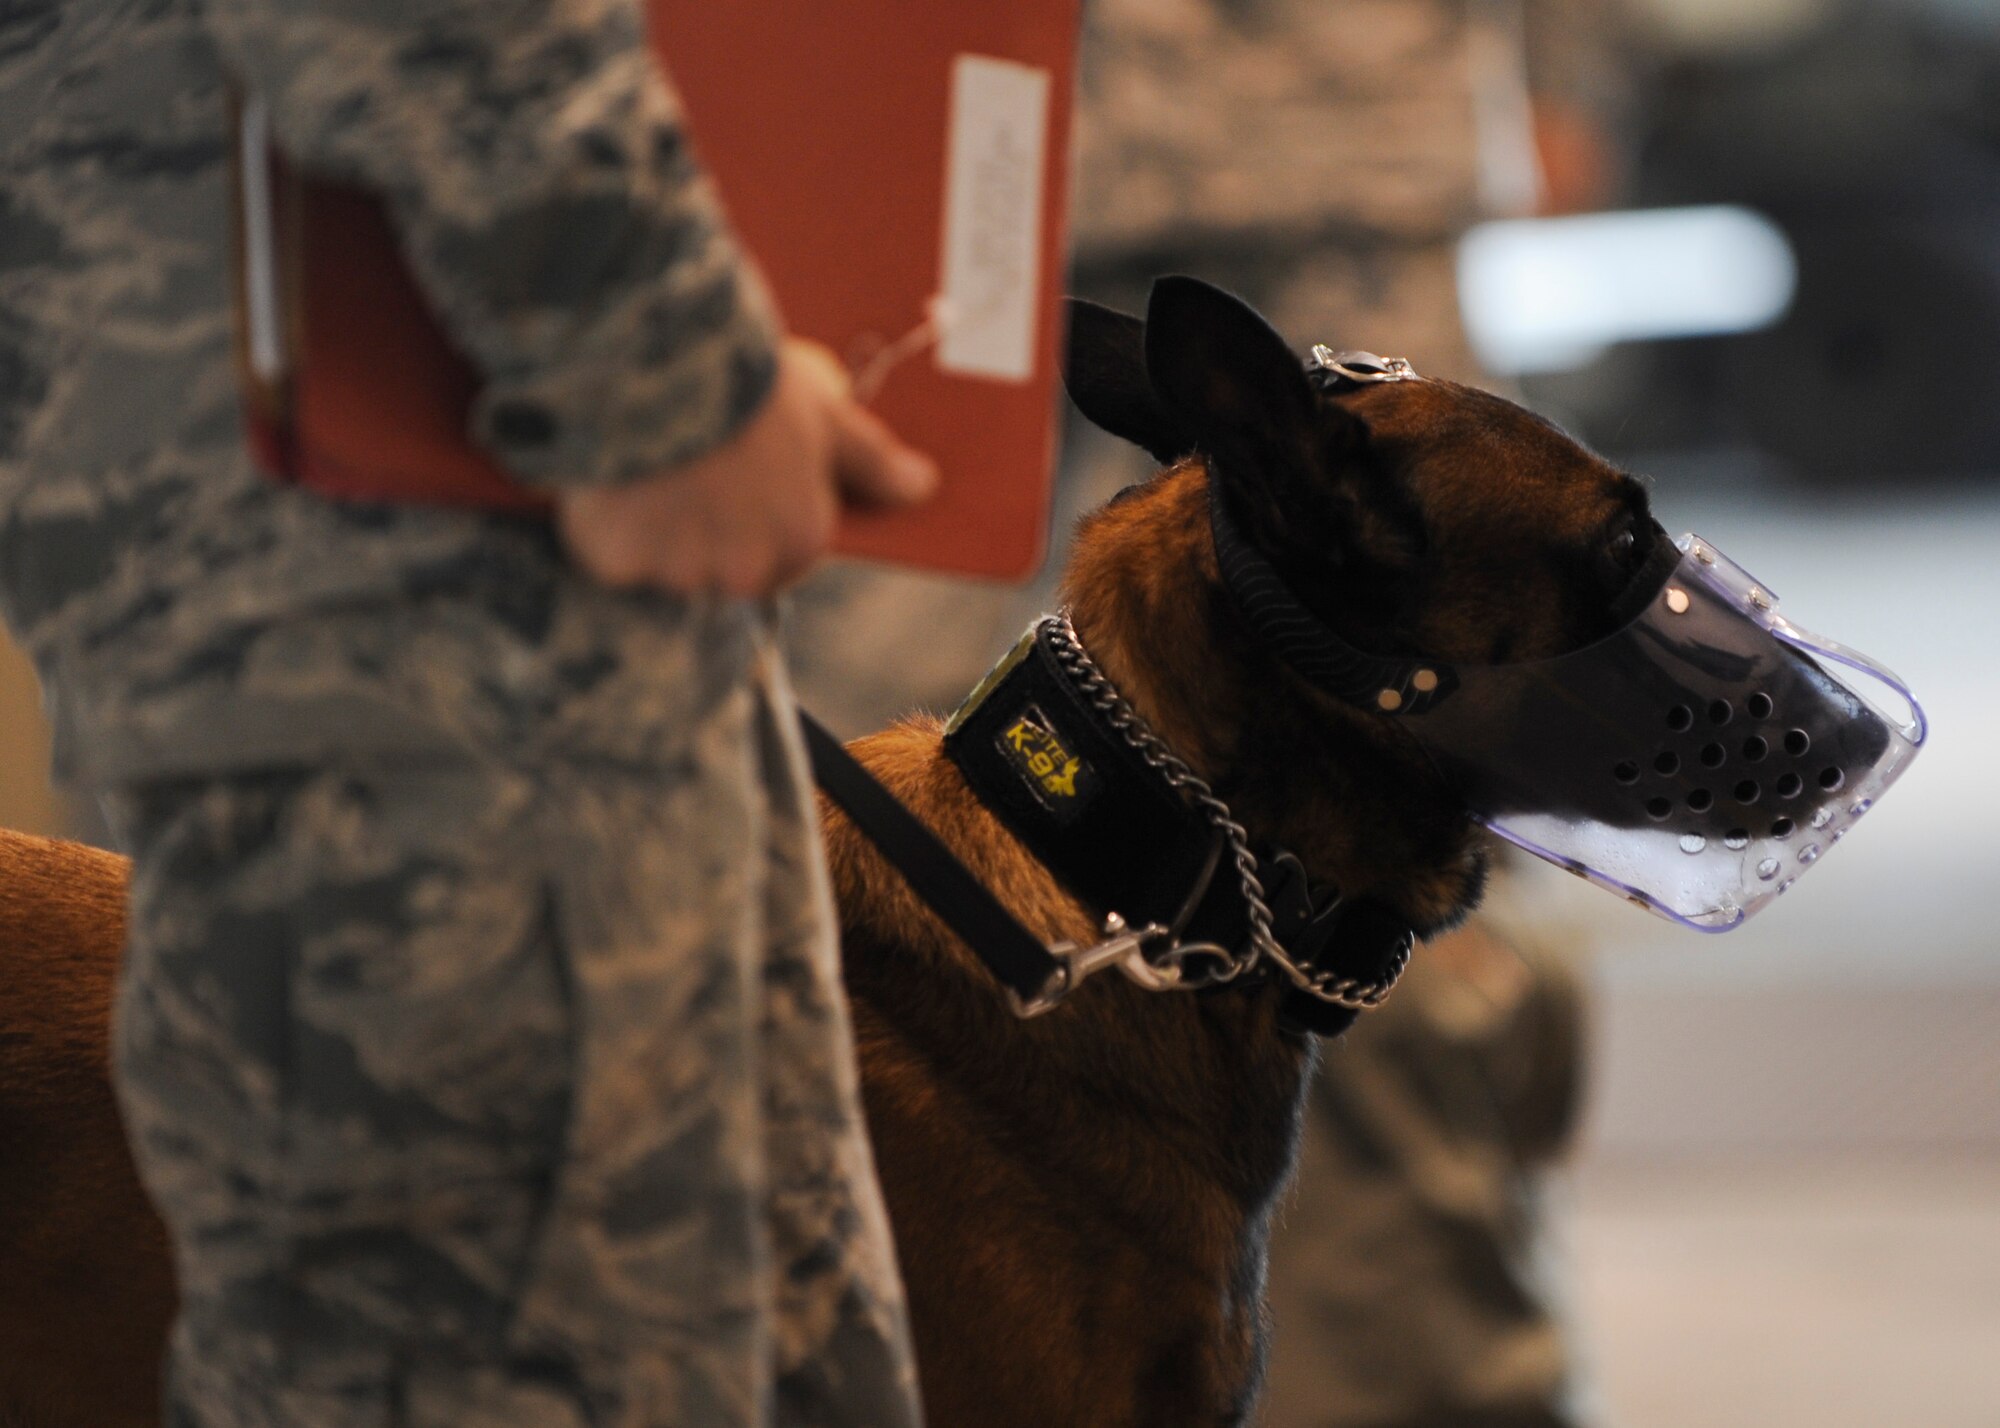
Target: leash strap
1012,953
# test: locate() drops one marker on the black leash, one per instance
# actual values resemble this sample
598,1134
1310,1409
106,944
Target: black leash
1014,955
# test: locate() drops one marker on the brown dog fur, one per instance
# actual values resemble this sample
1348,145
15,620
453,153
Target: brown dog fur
1080,1201
85,1282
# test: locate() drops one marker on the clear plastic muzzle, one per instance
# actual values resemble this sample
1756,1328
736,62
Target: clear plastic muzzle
1696,762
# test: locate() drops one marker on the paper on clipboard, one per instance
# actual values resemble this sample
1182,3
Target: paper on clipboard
994,174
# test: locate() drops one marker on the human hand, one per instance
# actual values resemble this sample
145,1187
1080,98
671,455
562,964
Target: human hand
1578,159
754,514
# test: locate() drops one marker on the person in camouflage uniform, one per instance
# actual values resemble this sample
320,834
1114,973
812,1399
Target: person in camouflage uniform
480,1039
1322,158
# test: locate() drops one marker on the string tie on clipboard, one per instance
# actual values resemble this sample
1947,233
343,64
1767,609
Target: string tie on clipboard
871,360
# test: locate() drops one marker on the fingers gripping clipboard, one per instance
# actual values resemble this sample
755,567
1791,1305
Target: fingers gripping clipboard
899,172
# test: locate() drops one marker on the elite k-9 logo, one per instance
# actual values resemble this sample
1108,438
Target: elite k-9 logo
1060,780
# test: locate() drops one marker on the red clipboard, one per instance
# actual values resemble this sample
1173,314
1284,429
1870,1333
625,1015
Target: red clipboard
900,172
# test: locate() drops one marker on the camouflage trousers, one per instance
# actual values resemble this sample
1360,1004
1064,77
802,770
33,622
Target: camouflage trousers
480,1092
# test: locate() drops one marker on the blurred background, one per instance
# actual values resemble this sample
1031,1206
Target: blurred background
1787,1202
1789,1190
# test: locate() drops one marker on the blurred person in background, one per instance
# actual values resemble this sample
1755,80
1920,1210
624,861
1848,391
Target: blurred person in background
1322,158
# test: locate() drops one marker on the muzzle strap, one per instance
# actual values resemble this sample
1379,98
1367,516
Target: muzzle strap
1300,640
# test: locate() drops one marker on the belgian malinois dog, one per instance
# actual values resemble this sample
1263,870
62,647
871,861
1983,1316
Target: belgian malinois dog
1081,1200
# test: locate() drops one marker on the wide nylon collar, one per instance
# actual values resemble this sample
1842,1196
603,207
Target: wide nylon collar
1043,756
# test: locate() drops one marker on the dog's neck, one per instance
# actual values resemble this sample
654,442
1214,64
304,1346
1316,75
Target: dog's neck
1337,785
1142,590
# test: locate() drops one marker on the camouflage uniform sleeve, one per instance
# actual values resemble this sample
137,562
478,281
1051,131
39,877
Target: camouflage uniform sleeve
536,163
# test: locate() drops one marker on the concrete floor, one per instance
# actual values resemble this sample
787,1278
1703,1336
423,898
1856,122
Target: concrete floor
1862,1292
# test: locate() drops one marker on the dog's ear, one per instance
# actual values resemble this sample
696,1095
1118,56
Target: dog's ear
1210,356
1105,371
1245,393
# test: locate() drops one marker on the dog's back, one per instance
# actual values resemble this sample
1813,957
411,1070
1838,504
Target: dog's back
71,1210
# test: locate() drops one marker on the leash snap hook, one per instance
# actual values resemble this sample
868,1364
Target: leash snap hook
1121,946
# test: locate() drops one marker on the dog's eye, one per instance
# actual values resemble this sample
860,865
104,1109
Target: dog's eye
1620,558
1623,545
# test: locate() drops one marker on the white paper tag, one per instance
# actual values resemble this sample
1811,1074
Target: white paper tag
994,166
264,320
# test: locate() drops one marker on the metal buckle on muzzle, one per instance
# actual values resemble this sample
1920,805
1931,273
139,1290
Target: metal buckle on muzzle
1362,366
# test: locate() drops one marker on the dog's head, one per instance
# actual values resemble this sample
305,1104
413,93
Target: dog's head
1416,518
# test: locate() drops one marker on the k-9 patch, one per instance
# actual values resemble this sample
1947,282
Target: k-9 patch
1058,777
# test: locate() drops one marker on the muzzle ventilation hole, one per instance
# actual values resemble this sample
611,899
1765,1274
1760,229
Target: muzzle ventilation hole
1768,869
1714,755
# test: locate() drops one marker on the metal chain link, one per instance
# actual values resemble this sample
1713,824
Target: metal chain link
1349,992
1121,716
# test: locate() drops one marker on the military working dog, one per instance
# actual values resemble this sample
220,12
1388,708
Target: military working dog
1080,1200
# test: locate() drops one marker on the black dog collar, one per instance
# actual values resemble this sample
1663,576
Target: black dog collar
1044,755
